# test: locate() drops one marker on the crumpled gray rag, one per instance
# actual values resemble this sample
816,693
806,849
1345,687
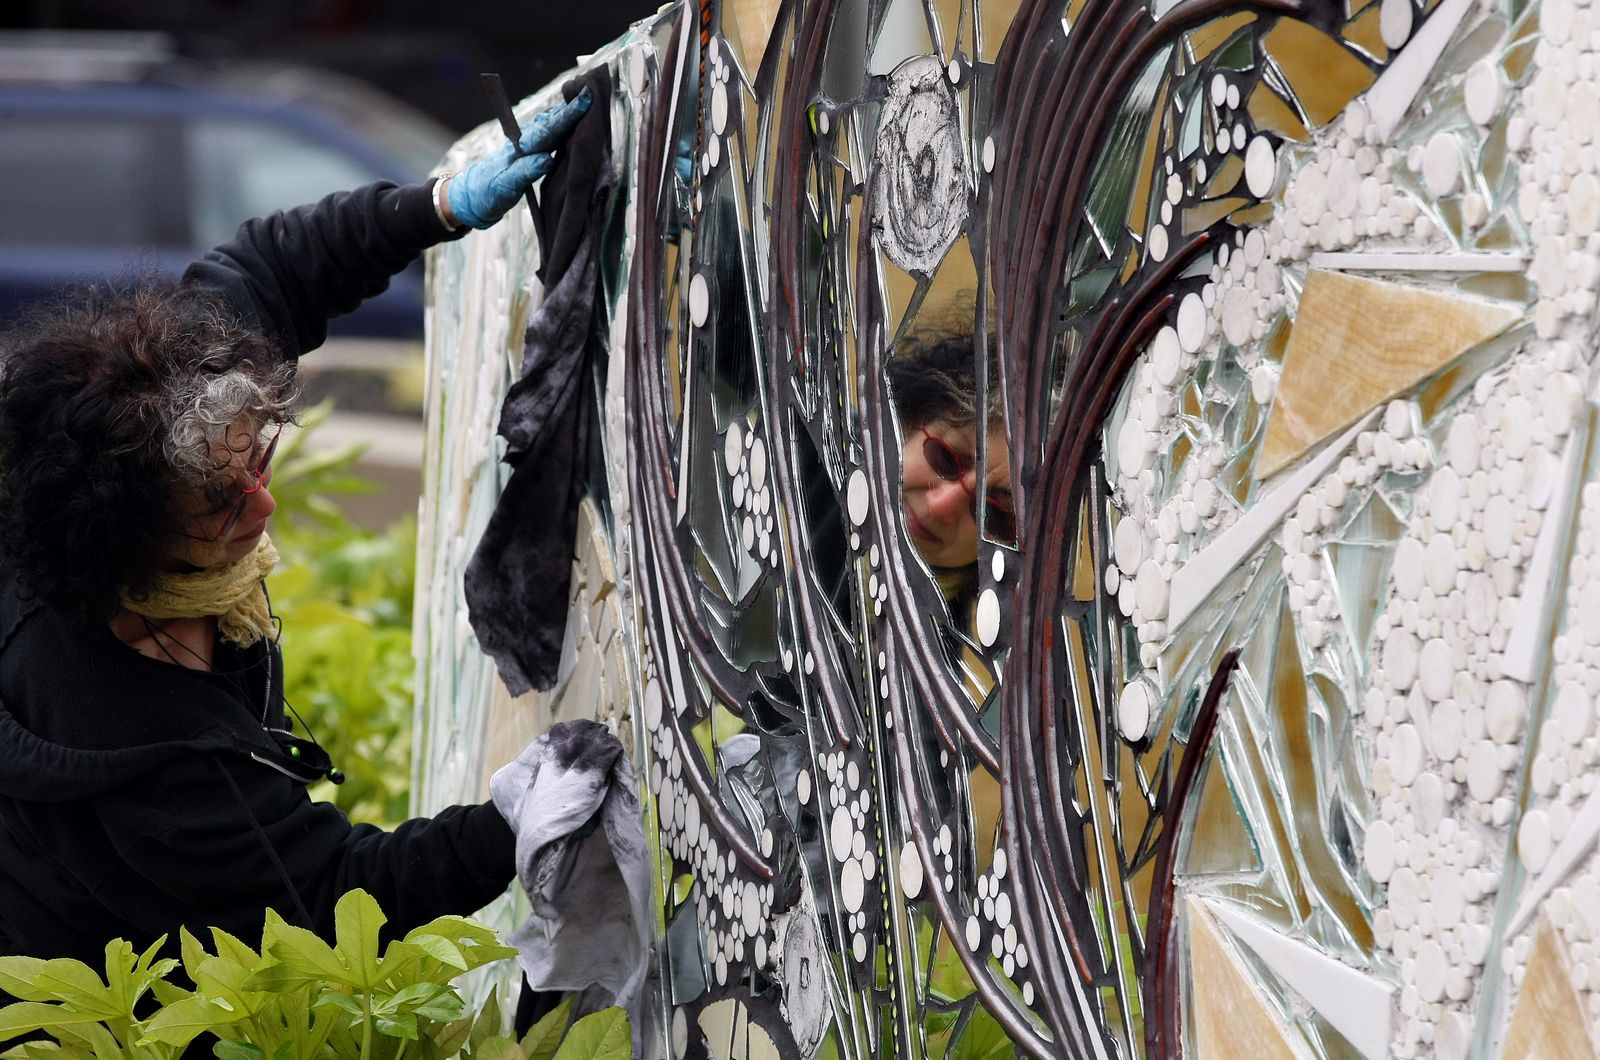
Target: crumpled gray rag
589,886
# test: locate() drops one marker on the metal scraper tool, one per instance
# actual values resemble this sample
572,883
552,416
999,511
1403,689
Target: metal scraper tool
500,103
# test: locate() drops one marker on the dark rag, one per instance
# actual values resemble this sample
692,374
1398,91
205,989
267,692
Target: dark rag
516,583
572,799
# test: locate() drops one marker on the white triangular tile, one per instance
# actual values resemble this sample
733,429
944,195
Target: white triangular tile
1354,1003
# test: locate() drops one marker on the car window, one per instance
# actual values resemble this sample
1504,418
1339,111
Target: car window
88,181
244,169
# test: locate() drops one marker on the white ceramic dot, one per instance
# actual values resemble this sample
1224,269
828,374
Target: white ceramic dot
1166,356
1444,498
1462,446
1152,590
802,787
852,885
1400,658
1434,669
1260,166
1484,92
1405,895
988,154
988,617
1484,776
1430,969
1409,568
1191,323
680,1033
758,465
856,497
732,448
1133,447
1439,564
1377,849
1238,315
910,871
1560,401
1441,159
699,300
719,108
997,564
1506,711
1133,711
1394,22
1405,755
652,704
1127,543
842,832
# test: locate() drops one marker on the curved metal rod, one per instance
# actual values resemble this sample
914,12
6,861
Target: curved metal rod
1086,128
999,1004
1162,1034
1028,706
786,266
649,480
947,702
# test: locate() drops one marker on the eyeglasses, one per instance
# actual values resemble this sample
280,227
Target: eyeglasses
258,473
1001,521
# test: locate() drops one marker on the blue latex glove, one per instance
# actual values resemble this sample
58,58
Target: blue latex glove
481,196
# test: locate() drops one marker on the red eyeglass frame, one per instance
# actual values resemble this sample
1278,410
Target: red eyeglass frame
258,473
950,467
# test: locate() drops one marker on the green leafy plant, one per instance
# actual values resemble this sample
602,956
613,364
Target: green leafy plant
298,998
344,593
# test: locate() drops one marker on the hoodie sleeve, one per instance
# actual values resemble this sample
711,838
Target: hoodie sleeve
201,856
293,271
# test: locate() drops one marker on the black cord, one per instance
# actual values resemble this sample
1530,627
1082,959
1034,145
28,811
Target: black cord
266,844
334,774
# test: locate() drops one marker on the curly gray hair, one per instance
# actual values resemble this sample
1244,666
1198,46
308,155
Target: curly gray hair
200,409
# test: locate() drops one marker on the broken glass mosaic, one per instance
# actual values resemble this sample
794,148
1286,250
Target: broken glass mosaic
1090,542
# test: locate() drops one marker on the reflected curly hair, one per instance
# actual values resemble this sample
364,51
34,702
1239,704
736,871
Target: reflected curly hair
113,401
933,377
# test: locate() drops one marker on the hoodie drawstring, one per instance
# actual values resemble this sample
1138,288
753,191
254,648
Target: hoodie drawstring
266,844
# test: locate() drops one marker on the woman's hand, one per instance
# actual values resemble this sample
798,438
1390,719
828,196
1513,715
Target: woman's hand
481,196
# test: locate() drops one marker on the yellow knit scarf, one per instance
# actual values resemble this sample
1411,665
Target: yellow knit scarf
231,591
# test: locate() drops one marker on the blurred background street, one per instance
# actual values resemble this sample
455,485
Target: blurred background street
134,134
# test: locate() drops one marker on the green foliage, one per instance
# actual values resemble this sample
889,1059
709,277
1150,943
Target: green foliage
344,594
297,999
603,1035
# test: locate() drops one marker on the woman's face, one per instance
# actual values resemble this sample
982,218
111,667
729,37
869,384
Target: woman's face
940,512
207,539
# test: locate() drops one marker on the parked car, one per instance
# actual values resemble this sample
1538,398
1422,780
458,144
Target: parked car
119,155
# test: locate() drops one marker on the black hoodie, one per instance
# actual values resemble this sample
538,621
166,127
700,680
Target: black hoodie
136,795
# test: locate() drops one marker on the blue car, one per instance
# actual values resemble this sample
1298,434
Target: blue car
118,157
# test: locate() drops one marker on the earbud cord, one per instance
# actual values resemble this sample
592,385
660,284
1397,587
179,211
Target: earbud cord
334,774
266,845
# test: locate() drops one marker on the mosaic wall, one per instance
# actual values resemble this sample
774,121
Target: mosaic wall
1202,660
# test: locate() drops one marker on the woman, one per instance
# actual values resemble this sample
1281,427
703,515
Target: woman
934,387
147,778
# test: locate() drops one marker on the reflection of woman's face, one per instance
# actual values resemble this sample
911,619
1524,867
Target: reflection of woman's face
940,512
